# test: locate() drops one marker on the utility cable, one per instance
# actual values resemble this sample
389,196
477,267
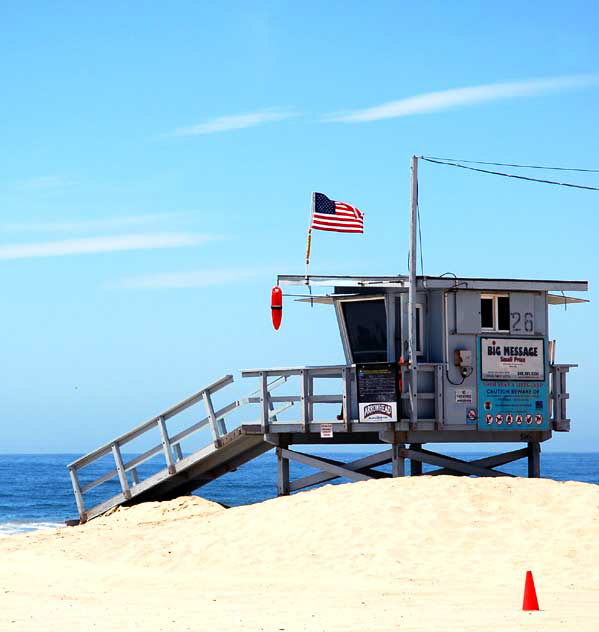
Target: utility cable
507,164
510,175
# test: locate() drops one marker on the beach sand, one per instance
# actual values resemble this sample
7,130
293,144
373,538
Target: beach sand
425,553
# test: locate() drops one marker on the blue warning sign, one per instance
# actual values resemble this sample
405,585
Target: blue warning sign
513,404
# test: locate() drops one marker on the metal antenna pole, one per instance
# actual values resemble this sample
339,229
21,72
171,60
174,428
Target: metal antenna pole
413,382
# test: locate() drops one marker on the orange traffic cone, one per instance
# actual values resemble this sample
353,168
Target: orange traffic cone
530,594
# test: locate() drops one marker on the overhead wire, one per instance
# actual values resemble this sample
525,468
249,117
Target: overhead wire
509,175
508,164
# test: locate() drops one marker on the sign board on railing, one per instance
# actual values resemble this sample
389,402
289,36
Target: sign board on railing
377,391
326,431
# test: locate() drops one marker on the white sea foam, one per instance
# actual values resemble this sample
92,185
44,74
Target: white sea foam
14,528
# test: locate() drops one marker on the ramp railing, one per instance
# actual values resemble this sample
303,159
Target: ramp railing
170,446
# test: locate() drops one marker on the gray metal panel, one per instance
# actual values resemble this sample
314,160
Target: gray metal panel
467,314
455,413
524,318
434,327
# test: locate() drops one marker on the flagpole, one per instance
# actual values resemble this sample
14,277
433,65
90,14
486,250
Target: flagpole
413,393
308,247
309,244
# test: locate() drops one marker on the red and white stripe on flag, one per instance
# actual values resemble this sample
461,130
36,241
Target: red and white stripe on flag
344,219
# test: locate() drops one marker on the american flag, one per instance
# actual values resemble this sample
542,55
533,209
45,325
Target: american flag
335,216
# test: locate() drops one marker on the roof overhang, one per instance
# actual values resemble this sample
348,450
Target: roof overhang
442,282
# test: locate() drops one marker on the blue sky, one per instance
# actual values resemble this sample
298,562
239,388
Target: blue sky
156,174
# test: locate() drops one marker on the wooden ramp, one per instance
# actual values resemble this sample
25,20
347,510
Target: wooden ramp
180,474
238,447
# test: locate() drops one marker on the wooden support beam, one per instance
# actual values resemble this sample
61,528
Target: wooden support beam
214,427
323,464
346,376
166,445
307,388
439,412
534,460
457,465
398,467
120,469
360,465
264,402
487,462
415,466
78,493
178,451
283,488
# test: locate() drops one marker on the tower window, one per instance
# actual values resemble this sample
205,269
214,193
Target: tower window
495,312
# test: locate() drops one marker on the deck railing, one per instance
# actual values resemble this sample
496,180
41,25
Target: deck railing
559,396
307,399
271,406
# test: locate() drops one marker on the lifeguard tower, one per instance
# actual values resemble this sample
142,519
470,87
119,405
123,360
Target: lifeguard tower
429,360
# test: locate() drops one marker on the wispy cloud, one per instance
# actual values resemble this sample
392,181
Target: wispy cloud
237,121
91,224
446,99
43,182
195,278
94,245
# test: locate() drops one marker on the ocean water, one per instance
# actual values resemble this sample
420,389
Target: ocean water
36,493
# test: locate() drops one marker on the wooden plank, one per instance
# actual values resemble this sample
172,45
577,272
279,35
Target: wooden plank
495,460
106,477
334,370
326,399
366,462
322,464
432,458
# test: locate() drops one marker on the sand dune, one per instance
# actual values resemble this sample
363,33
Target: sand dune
442,553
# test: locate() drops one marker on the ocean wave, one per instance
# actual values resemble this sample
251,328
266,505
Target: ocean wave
14,528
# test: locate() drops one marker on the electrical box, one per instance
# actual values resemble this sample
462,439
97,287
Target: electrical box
463,358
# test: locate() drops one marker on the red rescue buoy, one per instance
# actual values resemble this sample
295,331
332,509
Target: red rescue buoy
276,306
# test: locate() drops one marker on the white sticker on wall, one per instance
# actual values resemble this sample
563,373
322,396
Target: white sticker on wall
463,396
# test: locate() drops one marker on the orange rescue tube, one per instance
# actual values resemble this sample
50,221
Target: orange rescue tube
276,306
